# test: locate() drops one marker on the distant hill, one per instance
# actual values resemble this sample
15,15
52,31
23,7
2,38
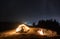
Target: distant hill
8,25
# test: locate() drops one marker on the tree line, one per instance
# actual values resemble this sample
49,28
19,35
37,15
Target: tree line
48,24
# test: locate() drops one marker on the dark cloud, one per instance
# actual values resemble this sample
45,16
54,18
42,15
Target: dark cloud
29,10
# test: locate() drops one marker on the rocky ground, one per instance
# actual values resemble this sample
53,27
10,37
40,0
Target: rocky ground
28,36
13,35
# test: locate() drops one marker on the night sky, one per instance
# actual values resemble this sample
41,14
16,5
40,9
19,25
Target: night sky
29,10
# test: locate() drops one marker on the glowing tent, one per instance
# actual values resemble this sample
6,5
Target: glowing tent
45,32
22,28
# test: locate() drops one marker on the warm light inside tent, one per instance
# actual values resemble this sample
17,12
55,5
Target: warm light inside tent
23,28
45,32
40,32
